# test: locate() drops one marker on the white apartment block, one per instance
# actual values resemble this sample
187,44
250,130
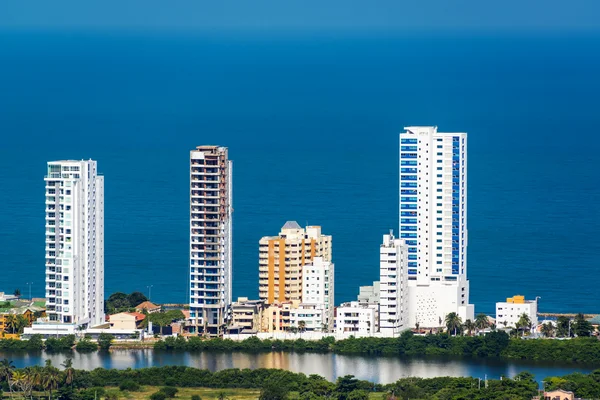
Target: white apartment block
74,243
357,318
393,287
210,238
310,317
318,287
433,222
509,312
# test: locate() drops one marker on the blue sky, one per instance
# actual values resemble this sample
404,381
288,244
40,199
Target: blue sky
295,15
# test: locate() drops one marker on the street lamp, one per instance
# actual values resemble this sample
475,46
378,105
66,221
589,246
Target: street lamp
149,287
29,284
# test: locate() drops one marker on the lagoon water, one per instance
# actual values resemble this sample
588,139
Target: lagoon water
312,124
331,366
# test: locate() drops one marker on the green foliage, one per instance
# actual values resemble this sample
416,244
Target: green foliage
163,319
582,327
129,386
277,384
169,391
105,341
86,346
158,396
64,343
196,397
119,302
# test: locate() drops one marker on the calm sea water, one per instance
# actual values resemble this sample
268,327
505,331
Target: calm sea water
312,124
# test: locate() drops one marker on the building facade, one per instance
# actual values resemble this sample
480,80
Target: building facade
393,287
210,238
509,312
318,288
433,222
246,315
74,243
277,317
281,259
369,294
357,318
310,317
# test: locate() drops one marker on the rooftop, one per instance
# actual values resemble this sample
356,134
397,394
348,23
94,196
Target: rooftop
291,225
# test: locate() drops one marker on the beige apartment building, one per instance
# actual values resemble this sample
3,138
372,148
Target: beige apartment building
282,257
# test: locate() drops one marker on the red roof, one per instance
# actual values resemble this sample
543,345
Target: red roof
138,316
147,306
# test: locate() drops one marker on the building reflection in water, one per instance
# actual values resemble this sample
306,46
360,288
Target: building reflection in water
330,366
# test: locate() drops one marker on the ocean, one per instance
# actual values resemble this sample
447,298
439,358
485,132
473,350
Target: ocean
312,124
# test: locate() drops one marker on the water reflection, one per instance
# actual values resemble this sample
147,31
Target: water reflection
331,366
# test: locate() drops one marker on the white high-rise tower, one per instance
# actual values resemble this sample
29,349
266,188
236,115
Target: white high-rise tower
75,243
393,288
210,238
433,222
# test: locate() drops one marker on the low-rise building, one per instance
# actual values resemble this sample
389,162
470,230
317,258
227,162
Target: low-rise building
310,317
369,294
126,320
276,317
355,317
148,307
509,312
246,315
19,316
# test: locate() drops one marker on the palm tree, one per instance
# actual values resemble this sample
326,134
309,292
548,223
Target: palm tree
20,323
417,326
11,323
302,326
6,370
453,322
481,321
51,380
69,370
548,329
524,322
469,326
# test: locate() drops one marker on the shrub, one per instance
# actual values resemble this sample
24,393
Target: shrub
196,397
158,396
105,341
169,391
86,345
129,386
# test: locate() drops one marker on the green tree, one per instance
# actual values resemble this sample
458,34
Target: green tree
274,391
136,298
302,326
6,370
453,322
469,326
548,329
21,323
105,341
17,292
562,326
10,321
582,327
69,371
524,323
481,321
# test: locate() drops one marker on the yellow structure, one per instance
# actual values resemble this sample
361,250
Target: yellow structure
246,314
282,257
517,299
276,317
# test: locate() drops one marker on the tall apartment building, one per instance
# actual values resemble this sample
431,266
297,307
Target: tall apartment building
433,222
210,238
393,287
318,287
282,257
74,243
